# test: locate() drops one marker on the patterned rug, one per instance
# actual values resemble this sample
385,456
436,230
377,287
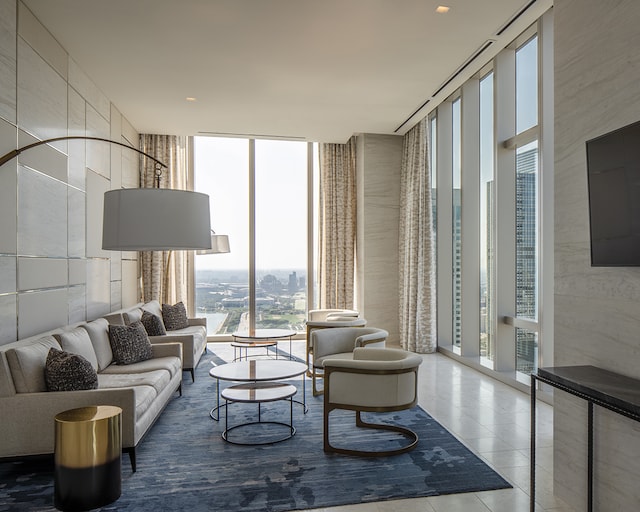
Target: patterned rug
183,463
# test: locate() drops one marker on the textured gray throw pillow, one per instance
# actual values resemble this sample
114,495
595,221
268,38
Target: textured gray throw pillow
174,317
129,343
65,371
153,324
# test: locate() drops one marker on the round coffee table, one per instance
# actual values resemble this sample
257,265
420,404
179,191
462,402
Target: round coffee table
259,370
264,335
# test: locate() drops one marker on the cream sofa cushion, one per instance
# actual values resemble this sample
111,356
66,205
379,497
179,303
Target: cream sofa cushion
99,334
77,341
27,364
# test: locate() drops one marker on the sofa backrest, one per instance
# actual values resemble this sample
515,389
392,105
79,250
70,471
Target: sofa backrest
27,363
99,335
77,341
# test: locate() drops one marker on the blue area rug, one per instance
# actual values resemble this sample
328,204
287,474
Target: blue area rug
183,464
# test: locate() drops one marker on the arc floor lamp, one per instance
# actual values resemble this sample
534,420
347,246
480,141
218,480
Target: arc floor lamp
150,219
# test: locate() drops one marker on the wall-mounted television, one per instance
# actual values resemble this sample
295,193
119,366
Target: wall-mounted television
613,172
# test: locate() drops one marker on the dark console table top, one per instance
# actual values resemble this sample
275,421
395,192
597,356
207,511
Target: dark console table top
607,388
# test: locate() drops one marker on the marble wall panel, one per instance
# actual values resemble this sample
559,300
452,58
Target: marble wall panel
9,207
41,40
47,159
77,152
116,151
130,295
116,266
8,267
98,152
35,273
76,228
42,215
98,288
8,136
42,311
96,187
116,295
130,169
597,310
42,98
79,80
77,272
77,304
8,28
8,315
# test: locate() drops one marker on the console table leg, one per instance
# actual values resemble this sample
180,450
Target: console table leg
532,472
590,459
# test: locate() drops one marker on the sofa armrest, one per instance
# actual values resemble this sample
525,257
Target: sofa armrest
27,419
167,349
198,321
187,346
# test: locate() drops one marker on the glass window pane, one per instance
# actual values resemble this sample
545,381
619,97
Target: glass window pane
527,85
457,223
487,184
527,231
281,234
222,280
526,353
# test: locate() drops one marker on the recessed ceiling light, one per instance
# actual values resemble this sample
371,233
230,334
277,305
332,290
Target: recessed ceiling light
190,98
442,9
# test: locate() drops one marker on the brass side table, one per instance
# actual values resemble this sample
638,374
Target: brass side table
88,457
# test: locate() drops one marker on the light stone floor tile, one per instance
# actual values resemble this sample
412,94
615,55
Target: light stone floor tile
491,419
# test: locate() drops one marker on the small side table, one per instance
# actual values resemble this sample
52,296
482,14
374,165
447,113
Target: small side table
88,457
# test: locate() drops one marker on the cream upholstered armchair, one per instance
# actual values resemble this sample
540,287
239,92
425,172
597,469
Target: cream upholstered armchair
328,319
375,380
340,343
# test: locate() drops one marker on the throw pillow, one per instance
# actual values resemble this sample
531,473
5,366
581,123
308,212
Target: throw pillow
175,317
129,343
65,371
153,324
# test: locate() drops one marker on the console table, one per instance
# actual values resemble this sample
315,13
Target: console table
606,389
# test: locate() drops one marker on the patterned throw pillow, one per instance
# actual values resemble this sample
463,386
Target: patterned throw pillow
129,343
175,317
65,371
153,324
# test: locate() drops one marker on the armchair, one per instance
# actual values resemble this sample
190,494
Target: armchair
340,343
375,380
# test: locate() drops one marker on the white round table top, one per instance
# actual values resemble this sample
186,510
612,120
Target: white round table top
258,370
264,334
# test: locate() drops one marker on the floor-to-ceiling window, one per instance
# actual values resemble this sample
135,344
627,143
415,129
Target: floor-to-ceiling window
259,192
496,115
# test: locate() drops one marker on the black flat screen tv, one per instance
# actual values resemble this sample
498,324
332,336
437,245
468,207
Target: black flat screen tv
613,172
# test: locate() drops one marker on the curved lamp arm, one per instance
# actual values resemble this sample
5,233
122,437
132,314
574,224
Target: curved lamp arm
14,153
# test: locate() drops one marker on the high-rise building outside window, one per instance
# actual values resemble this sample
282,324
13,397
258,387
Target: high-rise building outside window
457,221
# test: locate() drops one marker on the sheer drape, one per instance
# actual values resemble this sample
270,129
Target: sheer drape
417,255
165,273
337,229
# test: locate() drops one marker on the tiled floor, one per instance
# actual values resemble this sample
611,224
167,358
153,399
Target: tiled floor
490,418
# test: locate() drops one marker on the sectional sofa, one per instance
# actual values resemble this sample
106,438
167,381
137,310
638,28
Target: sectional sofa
27,410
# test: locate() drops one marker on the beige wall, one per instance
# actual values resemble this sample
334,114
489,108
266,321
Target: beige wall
378,180
597,310
52,268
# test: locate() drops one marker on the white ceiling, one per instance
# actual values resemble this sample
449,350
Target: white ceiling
319,70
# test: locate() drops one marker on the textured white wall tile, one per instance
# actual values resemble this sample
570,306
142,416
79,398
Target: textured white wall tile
41,40
42,215
98,288
130,169
9,207
35,273
96,187
116,266
88,89
116,151
77,148
45,158
8,60
77,272
98,152
42,96
42,311
116,295
8,318
77,304
7,274
130,295
76,223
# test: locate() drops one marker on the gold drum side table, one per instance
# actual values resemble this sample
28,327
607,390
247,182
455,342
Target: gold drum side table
88,457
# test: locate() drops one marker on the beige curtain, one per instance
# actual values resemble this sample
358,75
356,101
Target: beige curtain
337,229
417,243
165,273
